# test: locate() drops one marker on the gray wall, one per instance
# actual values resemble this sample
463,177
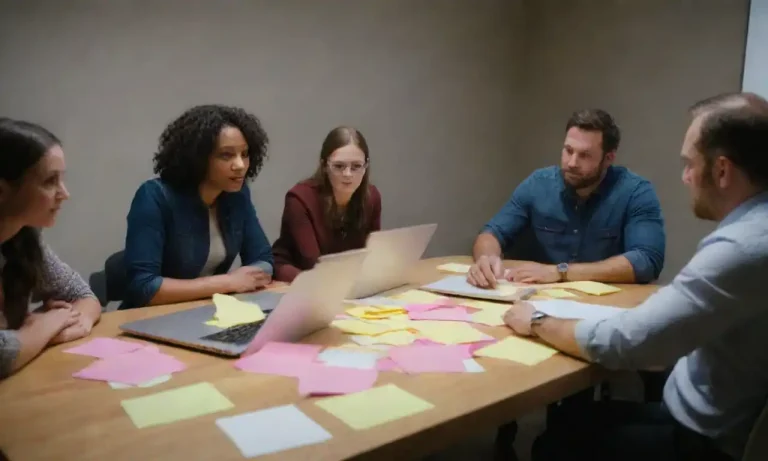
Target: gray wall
645,62
434,86
459,100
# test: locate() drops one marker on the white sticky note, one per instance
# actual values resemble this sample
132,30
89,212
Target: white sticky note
349,358
471,366
272,430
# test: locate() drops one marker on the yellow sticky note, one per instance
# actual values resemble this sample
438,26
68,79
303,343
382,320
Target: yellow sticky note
455,268
506,290
449,332
417,297
358,327
591,288
230,311
477,304
557,293
395,338
374,312
488,317
175,405
366,409
518,350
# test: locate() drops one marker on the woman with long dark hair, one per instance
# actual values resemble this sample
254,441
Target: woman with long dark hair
333,211
186,227
31,193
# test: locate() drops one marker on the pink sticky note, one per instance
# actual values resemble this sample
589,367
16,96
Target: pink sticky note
422,307
132,368
472,347
306,351
444,313
274,364
386,364
102,348
326,380
426,359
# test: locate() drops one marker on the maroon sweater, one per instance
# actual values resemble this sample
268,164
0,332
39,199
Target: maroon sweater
305,236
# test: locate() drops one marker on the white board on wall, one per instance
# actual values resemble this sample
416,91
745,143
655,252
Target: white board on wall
756,57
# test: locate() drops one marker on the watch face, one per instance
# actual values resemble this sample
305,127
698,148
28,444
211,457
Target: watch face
562,267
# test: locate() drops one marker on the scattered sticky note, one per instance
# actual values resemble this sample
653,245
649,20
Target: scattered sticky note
349,359
175,405
471,366
422,307
102,348
305,351
359,327
230,311
134,367
273,364
418,297
328,380
374,407
447,332
429,359
374,312
557,293
457,313
150,383
518,350
488,317
395,338
272,430
386,364
590,288
485,305
455,268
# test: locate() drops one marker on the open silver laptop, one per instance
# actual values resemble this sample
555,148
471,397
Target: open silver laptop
392,254
313,300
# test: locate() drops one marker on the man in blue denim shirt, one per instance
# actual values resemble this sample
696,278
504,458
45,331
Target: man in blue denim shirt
590,220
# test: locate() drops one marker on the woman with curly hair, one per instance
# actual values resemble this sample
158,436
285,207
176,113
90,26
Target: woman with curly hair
333,211
186,227
31,193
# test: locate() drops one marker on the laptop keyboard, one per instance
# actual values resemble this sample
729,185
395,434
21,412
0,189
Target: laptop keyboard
238,334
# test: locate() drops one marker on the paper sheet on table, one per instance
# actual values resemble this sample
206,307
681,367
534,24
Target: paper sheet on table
374,407
133,368
489,317
349,359
230,311
471,366
457,313
370,328
557,293
377,301
458,285
518,350
175,405
430,358
418,297
322,379
151,383
272,430
393,338
590,288
105,347
448,332
566,309
455,268
485,305
375,312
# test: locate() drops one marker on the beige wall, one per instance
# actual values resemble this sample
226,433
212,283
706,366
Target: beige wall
645,62
459,100
432,85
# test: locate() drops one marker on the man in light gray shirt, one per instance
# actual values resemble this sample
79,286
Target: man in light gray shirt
712,319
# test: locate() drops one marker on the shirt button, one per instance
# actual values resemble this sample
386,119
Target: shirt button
575,231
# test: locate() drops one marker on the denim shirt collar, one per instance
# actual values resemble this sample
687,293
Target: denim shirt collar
602,189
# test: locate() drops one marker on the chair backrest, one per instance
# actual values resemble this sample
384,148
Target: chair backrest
109,284
757,445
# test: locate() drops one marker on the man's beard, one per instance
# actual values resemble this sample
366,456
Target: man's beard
585,181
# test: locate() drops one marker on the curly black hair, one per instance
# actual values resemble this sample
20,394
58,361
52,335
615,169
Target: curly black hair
187,143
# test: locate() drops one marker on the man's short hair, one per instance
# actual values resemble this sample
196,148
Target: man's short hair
597,120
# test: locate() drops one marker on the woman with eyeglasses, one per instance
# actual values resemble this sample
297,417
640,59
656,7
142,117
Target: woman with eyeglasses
333,211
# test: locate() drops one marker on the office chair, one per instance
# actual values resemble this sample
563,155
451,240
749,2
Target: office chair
109,284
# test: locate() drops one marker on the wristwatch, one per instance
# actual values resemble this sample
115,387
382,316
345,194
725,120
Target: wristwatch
536,318
562,269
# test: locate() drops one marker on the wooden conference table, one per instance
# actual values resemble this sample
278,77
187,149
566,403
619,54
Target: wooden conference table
46,414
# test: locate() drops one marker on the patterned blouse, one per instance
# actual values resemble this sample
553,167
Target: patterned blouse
59,282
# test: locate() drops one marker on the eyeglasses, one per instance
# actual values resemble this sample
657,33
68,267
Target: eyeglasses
341,167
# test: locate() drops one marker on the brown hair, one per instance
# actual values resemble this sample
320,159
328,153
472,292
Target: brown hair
735,125
356,215
597,120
